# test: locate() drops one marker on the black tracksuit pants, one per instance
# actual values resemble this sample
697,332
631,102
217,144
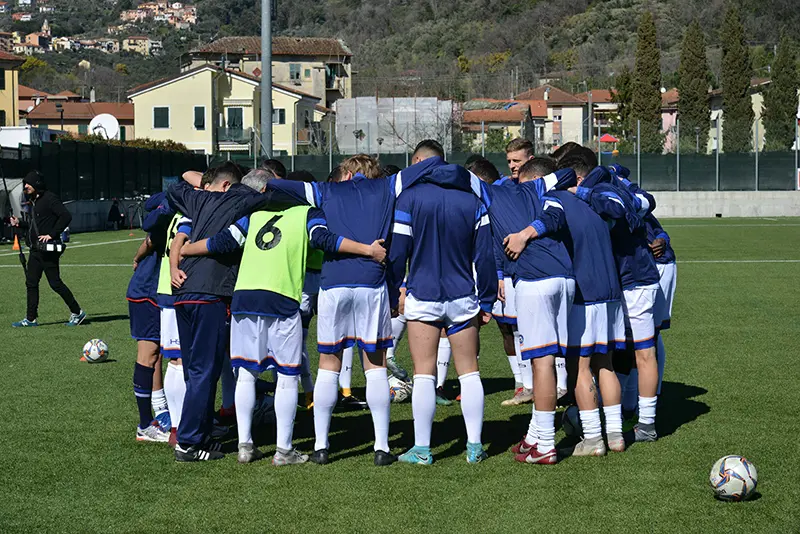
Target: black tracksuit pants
47,263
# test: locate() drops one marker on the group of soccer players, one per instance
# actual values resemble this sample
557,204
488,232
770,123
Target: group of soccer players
566,255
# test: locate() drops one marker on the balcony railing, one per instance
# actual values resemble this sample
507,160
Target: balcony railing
234,135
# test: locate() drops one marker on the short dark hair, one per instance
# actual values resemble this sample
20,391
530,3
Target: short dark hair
228,170
485,170
430,147
537,168
276,167
301,176
472,159
582,160
520,144
336,174
389,170
562,151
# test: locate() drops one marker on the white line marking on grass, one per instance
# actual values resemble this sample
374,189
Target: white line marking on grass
668,225
69,247
739,261
769,219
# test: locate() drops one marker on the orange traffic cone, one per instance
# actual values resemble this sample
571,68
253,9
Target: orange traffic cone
16,243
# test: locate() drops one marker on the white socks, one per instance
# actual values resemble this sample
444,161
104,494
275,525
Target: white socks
514,364
546,428
423,407
245,398
346,375
533,433
158,400
326,393
228,383
174,391
613,418
590,421
442,361
661,354
472,405
561,373
378,402
285,410
647,410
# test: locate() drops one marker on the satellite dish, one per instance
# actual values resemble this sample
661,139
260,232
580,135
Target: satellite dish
105,125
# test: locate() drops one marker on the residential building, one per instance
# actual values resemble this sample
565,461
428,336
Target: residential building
61,44
566,115
9,89
318,66
38,39
6,42
141,45
21,17
213,110
28,49
3,7
78,115
29,98
25,3
604,109
524,118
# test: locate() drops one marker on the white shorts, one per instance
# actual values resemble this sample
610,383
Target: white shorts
260,343
668,273
592,330
308,301
170,340
616,325
639,305
542,310
506,312
454,315
354,315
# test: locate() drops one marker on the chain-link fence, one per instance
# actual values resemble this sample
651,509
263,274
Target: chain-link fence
89,171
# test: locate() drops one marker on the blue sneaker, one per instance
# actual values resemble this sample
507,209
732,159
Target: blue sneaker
475,453
417,455
164,421
25,323
76,318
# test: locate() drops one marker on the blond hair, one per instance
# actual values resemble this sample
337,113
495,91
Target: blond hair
362,164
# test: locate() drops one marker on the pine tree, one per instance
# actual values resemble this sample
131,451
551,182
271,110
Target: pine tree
693,75
780,99
737,134
647,87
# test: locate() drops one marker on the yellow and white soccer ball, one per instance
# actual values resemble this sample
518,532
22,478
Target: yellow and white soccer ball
399,390
95,351
733,478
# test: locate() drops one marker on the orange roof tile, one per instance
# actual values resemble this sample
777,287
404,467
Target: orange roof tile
556,95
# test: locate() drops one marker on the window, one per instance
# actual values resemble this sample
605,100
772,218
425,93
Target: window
123,134
160,118
199,118
557,114
307,73
2,79
2,117
235,118
278,116
294,71
83,129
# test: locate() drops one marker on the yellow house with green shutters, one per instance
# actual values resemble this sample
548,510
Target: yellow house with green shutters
9,89
213,110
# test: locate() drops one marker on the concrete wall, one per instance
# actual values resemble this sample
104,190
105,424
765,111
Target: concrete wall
728,204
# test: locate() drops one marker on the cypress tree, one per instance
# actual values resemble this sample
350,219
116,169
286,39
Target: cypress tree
622,97
647,87
693,105
780,99
737,134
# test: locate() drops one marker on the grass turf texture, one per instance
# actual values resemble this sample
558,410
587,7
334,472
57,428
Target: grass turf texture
70,462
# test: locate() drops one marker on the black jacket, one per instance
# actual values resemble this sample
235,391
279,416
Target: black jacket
51,217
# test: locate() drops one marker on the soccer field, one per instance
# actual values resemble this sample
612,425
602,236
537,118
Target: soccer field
69,461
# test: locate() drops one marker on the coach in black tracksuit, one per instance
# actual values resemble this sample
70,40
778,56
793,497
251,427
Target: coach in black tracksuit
49,218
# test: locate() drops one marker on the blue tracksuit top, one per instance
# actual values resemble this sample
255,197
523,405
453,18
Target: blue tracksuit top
440,233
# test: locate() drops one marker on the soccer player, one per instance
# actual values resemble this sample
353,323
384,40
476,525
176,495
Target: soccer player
353,305
595,323
638,273
504,311
267,329
442,233
145,329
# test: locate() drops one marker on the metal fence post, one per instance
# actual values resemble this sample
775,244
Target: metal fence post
407,145
796,140
599,150
330,146
294,141
756,148
678,154
483,140
639,151
719,143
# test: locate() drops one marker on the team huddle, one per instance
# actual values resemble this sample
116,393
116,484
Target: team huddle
564,254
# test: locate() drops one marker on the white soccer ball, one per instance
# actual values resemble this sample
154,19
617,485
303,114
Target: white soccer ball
95,351
399,390
733,478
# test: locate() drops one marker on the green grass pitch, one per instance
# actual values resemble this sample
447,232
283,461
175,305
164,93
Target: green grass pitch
69,461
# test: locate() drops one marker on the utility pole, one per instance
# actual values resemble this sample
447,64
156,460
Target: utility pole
266,77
